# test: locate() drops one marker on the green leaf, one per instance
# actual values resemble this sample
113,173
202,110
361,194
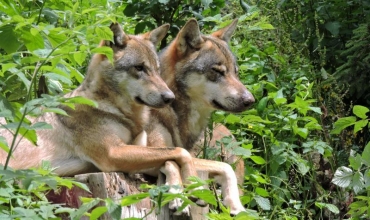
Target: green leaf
266,26
366,155
41,125
204,2
264,203
104,33
32,42
258,178
333,27
133,199
342,123
163,1
232,119
97,212
316,109
360,111
42,53
303,132
359,125
4,144
130,10
303,168
262,192
343,177
355,162
331,207
240,151
55,110
262,105
79,57
81,100
114,210
205,195
258,160
9,40
107,51
248,214
358,182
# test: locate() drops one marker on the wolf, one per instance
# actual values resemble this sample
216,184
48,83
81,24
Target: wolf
203,74
111,136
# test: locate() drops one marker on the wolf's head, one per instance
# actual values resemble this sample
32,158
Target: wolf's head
204,68
134,74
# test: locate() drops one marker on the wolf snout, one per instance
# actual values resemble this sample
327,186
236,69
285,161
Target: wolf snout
248,99
168,97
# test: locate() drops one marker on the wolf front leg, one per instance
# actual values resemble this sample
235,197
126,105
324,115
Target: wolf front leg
224,175
173,178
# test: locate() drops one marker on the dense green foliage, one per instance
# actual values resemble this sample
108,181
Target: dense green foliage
306,62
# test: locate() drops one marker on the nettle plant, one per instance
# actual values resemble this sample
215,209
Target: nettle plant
355,177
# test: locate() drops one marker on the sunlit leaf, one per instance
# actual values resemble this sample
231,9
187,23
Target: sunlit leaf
97,212
258,160
263,203
358,182
366,154
360,111
342,123
343,176
359,125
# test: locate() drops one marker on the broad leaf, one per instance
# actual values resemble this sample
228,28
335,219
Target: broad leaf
355,162
104,33
343,176
97,212
333,27
264,203
360,111
359,125
331,207
107,51
262,192
232,119
366,155
4,144
205,195
258,160
133,199
358,182
342,123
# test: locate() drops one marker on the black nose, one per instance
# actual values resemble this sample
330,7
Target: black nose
168,97
248,99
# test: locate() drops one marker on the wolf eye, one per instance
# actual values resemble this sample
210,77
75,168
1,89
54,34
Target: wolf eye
219,71
139,67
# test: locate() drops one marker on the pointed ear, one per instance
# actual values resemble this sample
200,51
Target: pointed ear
119,36
156,35
226,32
189,37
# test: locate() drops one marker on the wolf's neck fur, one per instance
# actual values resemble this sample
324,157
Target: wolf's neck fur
192,118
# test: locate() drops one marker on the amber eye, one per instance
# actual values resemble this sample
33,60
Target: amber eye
219,71
139,67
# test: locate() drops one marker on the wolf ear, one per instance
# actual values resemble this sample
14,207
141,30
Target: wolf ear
156,35
189,37
226,32
119,36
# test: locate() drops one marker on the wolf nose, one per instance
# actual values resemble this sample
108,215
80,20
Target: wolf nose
168,97
248,99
